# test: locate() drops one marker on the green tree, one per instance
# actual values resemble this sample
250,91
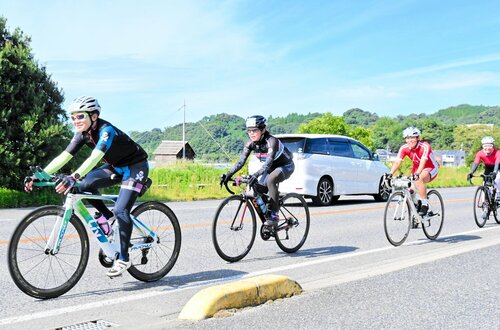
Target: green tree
387,133
32,122
326,124
330,124
358,116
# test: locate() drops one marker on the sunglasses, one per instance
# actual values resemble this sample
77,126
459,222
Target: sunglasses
488,145
252,130
79,116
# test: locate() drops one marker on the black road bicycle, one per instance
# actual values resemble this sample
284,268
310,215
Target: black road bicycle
484,201
234,226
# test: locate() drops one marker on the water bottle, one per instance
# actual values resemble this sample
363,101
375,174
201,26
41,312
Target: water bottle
261,204
103,223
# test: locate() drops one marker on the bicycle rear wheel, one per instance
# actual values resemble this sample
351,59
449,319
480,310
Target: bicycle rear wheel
397,219
234,228
293,227
495,206
151,264
432,223
481,209
37,272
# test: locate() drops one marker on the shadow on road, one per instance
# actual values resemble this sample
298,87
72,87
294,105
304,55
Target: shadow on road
456,239
451,239
167,283
307,253
321,251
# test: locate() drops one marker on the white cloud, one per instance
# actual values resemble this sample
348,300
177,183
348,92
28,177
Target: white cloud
445,66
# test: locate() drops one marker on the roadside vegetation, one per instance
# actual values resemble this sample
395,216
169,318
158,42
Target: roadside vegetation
191,181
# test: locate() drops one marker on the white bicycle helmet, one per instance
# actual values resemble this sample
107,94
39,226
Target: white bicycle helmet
411,131
488,140
84,104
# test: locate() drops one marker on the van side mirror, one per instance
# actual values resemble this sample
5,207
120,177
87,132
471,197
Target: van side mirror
375,156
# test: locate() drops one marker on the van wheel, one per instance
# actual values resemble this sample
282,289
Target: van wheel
324,195
383,192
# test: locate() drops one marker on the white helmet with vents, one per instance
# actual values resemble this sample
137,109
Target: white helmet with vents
488,140
84,104
411,131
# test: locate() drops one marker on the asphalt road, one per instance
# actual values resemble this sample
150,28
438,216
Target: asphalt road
352,277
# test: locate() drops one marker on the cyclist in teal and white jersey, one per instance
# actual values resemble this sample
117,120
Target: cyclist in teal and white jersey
122,156
277,162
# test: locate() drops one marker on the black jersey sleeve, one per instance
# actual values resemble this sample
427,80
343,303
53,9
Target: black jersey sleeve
247,149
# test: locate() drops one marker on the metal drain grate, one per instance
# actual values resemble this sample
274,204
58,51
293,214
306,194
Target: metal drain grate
91,325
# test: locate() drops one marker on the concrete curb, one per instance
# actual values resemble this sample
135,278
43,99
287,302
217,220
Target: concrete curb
248,292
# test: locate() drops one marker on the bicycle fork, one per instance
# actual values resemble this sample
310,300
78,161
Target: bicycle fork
57,233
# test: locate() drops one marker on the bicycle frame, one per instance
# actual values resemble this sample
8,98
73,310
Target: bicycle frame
251,194
490,188
404,185
413,209
74,205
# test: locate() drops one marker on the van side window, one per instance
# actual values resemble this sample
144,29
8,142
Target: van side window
360,152
339,148
317,146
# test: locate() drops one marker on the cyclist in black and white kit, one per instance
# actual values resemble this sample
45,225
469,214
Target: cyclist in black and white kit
278,162
122,156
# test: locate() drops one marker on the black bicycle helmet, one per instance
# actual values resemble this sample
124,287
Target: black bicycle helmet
256,122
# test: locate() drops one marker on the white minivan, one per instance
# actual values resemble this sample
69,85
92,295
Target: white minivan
328,166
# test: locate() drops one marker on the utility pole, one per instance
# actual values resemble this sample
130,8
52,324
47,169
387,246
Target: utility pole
183,130
184,133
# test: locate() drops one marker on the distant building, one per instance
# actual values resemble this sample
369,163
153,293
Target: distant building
385,155
171,151
450,158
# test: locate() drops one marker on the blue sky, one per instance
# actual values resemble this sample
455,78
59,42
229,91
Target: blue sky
142,60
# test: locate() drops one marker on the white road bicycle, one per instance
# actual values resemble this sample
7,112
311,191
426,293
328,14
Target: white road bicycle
401,212
49,250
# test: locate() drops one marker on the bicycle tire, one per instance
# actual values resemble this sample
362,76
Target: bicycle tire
152,264
397,219
43,275
495,206
432,223
293,227
480,206
232,243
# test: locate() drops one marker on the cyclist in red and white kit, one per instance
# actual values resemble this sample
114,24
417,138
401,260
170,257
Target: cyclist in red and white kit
425,167
490,156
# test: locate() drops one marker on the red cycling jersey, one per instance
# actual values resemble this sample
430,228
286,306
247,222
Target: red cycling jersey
488,160
422,152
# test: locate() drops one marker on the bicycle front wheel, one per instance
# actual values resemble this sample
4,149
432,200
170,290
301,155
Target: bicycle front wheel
481,209
397,218
151,264
40,273
293,226
432,222
234,228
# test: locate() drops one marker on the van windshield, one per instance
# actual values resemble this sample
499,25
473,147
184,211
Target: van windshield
294,144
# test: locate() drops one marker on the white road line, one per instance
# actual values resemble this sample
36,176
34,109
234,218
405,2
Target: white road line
340,278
